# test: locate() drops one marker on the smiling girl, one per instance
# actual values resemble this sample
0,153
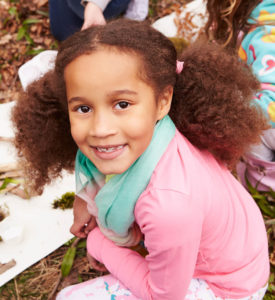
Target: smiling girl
111,124
142,174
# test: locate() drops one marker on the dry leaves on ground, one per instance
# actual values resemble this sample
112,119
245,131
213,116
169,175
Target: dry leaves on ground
24,32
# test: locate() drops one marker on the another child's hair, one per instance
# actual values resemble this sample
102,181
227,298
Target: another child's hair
227,18
211,104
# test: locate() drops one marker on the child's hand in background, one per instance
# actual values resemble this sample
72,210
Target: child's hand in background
84,222
93,15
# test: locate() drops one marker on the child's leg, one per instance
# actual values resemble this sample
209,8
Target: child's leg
105,287
115,8
108,287
64,20
199,290
266,149
259,164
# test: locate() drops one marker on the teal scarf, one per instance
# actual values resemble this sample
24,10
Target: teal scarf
117,198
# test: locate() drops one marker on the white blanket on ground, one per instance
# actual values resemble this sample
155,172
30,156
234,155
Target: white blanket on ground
33,228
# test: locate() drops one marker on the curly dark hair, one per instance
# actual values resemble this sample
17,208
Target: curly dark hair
211,104
227,18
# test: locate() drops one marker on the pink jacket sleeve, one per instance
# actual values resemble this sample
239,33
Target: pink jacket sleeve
172,230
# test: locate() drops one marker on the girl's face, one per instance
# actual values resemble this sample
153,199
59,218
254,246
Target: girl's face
112,111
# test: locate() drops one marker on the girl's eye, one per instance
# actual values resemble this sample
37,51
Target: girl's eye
122,105
83,109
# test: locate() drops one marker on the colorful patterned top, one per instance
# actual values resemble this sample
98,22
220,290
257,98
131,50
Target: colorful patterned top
258,50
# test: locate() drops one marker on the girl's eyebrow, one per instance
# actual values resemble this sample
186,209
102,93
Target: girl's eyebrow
119,92
75,99
111,94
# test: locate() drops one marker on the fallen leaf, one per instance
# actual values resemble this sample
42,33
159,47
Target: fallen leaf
40,3
5,39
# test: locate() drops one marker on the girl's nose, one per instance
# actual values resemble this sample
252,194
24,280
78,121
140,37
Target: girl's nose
103,125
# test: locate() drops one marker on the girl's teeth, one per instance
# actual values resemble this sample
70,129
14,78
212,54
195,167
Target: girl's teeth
111,149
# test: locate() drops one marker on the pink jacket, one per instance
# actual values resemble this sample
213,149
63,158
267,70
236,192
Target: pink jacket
198,222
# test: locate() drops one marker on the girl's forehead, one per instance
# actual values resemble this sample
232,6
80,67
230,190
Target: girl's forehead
114,53
109,57
105,61
104,71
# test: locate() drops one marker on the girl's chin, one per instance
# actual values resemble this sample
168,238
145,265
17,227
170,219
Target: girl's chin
112,168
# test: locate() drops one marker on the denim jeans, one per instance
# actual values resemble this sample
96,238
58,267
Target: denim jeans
66,16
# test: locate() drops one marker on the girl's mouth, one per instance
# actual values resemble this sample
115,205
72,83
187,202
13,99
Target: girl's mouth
109,149
108,152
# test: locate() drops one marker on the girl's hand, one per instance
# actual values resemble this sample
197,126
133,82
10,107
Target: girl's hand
84,222
92,16
96,264
82,228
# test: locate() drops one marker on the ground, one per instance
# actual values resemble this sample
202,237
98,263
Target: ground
24,32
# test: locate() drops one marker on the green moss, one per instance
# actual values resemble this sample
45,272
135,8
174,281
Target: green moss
66,201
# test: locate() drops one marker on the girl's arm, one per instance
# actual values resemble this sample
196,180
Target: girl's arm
172,239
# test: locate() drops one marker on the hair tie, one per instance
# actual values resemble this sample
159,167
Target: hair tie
179,66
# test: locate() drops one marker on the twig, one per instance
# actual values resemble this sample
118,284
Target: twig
51,295
8,167
7,266
12,174
22,193
16,289
6,139
75,242
270,222
15,77
10,188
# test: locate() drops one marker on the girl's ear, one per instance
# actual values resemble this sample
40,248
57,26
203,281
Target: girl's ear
164,102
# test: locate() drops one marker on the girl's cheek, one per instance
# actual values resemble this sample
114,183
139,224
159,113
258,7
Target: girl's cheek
76,134
141,128
75,140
